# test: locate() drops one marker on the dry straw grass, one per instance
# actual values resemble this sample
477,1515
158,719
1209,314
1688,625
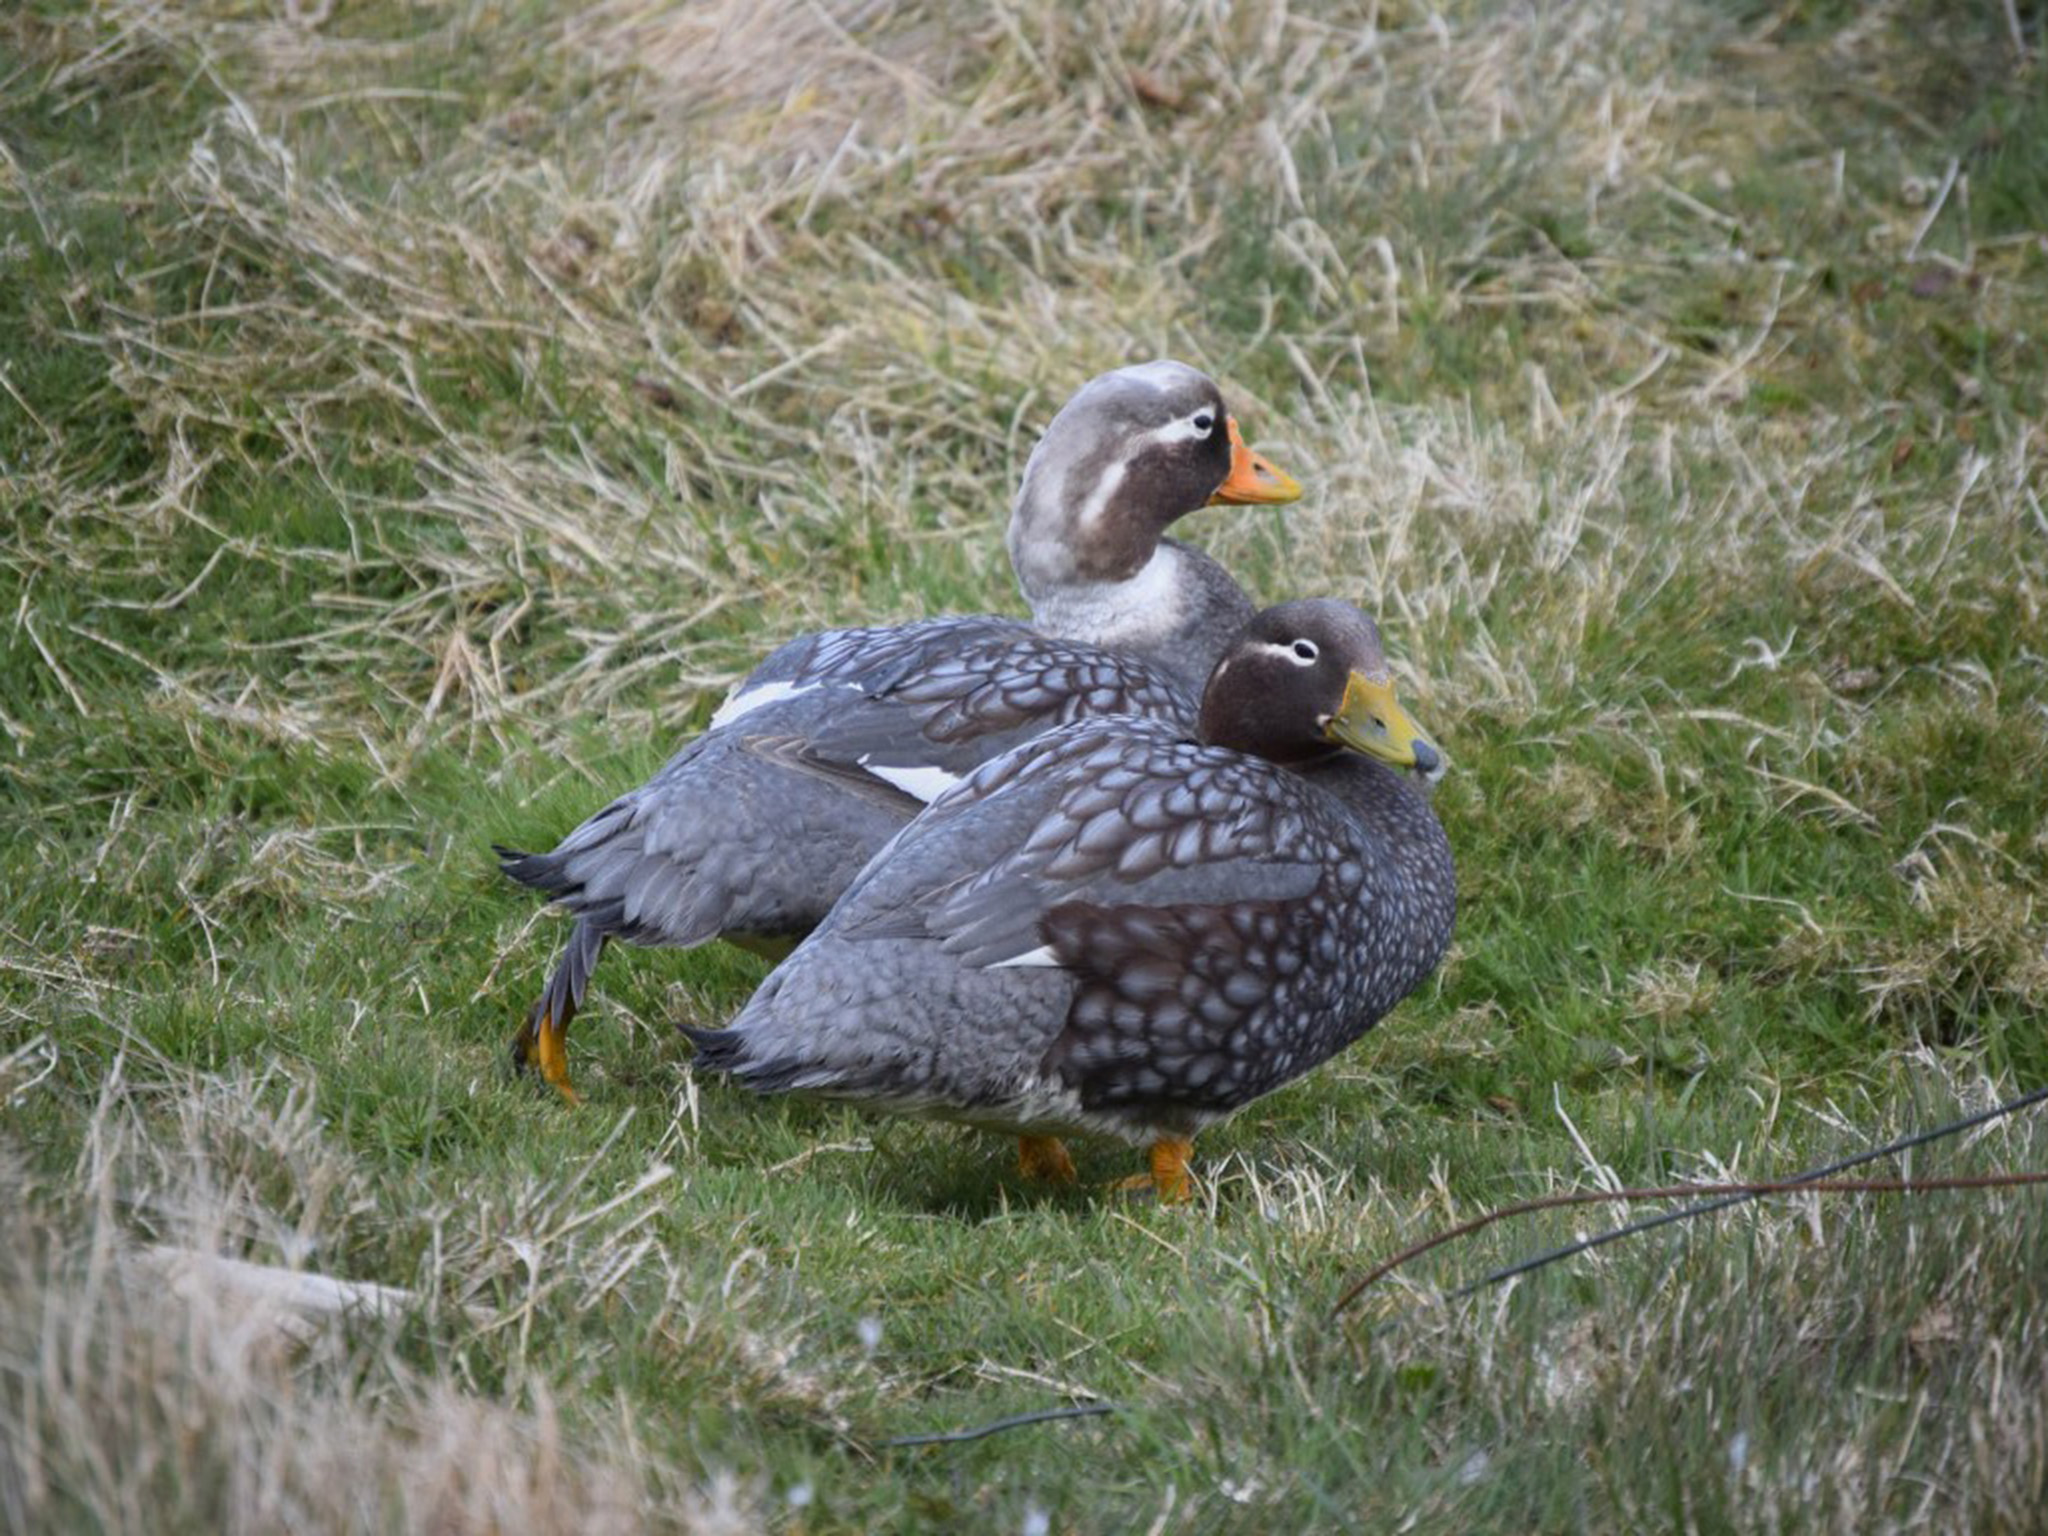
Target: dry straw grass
713,221
145,1387
624,339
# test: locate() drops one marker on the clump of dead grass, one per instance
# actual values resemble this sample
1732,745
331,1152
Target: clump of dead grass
830,266
1981,942
162,1366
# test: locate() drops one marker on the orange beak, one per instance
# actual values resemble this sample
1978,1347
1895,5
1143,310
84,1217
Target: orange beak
1252,478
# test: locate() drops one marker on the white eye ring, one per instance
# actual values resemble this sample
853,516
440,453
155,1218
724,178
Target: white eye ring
1305,652
1203,423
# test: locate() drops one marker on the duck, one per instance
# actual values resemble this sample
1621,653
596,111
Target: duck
817,758
1128,930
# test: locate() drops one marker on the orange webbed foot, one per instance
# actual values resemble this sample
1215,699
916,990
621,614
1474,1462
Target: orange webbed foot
543,1045
1169,1181
1045,1159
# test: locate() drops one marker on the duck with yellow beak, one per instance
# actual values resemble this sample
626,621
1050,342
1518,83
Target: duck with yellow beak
1126,932
813,762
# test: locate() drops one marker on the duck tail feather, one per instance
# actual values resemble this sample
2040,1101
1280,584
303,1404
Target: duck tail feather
536,871
570,982
717,1050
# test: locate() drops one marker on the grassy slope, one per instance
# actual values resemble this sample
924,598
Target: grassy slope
408,421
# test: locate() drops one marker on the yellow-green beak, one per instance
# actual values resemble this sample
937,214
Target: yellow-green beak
1253,478
1371,720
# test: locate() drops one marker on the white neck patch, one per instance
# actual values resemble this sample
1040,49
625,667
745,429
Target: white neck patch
1148,608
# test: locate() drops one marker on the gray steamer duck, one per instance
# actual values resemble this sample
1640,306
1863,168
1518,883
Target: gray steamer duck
1122,931
819,756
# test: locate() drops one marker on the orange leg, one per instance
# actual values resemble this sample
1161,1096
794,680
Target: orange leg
1169,1181
545,1044
1044,1158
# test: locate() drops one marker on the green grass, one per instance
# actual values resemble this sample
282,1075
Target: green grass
409,421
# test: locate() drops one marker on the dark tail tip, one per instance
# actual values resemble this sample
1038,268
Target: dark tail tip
536,871
717,1050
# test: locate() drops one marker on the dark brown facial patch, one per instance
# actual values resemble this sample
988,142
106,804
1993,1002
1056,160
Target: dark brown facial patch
1267,699
1161,483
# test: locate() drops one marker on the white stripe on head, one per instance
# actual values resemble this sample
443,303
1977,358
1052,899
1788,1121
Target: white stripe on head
1196,427
1302,653
1099,498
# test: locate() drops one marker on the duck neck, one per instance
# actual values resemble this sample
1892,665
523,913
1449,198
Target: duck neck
1179,611
1413,884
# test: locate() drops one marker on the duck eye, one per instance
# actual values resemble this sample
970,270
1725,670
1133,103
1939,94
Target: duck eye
1306,650
1204,423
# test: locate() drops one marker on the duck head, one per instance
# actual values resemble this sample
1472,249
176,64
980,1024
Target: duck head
1306,679
1132,453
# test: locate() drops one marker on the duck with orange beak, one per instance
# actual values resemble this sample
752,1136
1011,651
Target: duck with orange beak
826,750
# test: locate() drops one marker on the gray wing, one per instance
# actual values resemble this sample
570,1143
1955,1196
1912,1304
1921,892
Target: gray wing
1192,1008
1117,811
921,708
821,755
735,836
1156,918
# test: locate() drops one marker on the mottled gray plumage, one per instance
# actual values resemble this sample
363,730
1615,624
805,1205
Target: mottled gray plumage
753,829
825,750
1122,930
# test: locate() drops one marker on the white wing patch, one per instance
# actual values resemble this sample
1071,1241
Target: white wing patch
747,700
923,783
1041,956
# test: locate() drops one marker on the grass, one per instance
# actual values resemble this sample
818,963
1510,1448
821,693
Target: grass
412,416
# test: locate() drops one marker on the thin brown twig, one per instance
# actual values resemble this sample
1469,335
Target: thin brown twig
1685,1192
